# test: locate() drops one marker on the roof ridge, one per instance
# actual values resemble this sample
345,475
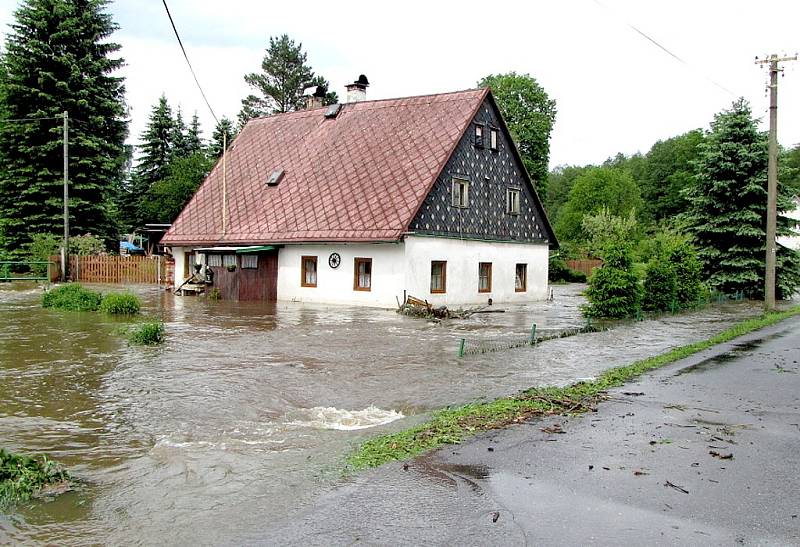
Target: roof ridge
300,113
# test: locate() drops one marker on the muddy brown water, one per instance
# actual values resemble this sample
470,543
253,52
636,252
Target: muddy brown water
248,410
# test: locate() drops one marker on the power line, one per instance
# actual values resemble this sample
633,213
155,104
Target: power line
665,49
185,56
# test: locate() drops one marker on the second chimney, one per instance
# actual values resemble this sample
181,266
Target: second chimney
357,91
315,100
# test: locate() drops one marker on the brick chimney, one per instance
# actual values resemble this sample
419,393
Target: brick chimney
357,91
316,99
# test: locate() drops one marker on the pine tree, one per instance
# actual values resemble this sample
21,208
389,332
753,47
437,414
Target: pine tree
224,127
194,141
280,85
728,208
58,58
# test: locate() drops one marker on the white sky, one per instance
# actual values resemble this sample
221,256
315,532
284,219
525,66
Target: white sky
616,92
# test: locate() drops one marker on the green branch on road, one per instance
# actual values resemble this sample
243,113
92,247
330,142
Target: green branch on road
453,425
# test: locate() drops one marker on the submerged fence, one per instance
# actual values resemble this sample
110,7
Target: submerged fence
27,270
488,345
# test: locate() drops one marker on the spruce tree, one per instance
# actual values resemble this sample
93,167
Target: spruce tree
58,58
194,141
224,128
156,146
728,208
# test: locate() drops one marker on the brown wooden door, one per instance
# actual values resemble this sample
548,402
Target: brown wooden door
260,283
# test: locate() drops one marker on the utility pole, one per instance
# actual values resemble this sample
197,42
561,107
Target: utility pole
772,177
65,247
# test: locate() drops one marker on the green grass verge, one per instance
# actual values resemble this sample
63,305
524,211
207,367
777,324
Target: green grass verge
24,477
453,425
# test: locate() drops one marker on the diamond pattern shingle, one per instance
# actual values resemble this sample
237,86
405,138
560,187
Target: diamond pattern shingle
359,177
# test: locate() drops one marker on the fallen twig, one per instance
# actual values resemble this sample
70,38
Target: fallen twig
676,487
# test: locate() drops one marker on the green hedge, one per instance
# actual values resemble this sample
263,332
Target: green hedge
121,304
72,297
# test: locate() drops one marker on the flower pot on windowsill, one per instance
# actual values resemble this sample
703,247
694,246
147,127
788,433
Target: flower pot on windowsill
231,267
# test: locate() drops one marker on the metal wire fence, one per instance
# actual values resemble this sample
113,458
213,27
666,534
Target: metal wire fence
477,346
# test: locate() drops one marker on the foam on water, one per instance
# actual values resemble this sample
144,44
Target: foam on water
328,417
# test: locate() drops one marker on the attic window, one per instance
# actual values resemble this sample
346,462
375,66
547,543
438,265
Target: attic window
333,110
460,194
493,139
275,177
478,136
512,201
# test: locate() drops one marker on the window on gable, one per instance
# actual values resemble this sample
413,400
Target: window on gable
493,139
521,278
308,274
485,277
362,274
512,201
249,261
438,276
478,136
460,193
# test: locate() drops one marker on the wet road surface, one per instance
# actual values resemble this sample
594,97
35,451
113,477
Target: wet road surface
702,452
244,416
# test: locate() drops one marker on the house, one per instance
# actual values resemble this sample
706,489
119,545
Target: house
364,202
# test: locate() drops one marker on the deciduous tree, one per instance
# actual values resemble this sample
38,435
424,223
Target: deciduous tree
530,114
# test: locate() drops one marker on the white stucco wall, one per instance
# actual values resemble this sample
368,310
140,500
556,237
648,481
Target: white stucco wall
406,266
335,286
462,258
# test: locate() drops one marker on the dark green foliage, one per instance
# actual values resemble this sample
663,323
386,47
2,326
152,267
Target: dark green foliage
57,57
121,304
166,198
559,184
668,169
280,84
660,286
689,289
23,477
727,208
147,334
558,271
72,297
613,288
224,128
530,114
600,187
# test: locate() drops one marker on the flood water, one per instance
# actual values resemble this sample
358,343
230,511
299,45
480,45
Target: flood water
248,409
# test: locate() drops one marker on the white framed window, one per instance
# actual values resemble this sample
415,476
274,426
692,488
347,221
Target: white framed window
512,201
214,260
478,136
229,260
362,274
308,271
460,193
249,262
493,139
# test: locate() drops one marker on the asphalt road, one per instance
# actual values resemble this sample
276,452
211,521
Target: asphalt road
705,451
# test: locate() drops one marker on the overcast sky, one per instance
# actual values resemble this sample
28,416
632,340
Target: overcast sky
615,90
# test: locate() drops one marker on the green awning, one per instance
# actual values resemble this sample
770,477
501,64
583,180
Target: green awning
257,249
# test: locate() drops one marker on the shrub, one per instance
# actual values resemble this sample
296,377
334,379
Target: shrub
72,297
147,334
688,273
613,288
121,304
660,286
22,477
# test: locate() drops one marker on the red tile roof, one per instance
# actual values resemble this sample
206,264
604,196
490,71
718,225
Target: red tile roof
359,177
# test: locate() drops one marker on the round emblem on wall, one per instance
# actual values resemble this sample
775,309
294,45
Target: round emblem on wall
334,260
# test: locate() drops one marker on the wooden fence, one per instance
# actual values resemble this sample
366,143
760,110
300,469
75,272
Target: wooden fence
118,269
585,265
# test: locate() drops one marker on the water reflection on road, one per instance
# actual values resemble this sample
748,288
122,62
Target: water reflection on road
247,410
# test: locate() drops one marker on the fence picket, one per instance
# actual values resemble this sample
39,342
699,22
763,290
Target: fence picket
117,269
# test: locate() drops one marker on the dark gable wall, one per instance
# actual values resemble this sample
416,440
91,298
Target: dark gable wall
489,174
